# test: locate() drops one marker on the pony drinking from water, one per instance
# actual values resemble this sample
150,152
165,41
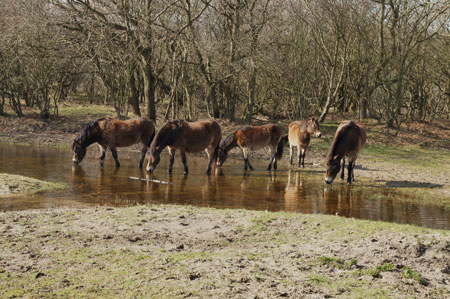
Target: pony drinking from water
254,137
188,137
300,135
113,133
349,139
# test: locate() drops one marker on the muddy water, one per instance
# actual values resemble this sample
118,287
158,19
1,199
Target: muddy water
284,190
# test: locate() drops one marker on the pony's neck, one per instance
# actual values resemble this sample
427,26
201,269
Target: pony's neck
230,143
90,139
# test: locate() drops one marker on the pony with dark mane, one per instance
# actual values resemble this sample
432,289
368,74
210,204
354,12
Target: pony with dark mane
112,133
300,135
188,137
349,139
254,137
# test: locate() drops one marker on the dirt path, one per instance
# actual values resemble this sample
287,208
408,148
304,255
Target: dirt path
174,251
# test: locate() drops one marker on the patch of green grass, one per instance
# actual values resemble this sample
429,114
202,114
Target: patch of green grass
337,262
409,273
376,272
316,278
187,256
260,222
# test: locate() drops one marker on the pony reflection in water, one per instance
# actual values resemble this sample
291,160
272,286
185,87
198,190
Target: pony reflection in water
187,137
112,133
254,137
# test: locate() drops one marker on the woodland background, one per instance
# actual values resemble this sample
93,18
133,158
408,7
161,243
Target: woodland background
233,59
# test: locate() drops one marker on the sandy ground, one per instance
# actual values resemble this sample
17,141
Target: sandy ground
174,251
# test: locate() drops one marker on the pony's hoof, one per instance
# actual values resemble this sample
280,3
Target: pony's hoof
349,183
117,165
169,170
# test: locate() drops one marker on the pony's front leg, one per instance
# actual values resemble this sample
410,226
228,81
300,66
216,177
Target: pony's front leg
114,154
246,160
183,159
103,154
143,152
171,159
343,169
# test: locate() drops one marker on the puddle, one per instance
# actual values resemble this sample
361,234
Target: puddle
283,190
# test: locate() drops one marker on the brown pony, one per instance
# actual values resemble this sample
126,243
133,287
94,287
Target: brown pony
254,137
348,141
300,136
191,137
112,133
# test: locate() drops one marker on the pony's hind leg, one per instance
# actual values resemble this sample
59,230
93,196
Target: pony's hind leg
350,178
291,154
183,159
114,154
211,157
272,159
103,154
171,159
303,157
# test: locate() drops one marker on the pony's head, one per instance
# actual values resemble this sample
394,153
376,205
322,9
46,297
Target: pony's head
221,156
313,127
224,146
166,136
154,157
89,135
79,151
333,168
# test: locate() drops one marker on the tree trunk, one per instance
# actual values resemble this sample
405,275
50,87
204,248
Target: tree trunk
134,97
251,97
150,87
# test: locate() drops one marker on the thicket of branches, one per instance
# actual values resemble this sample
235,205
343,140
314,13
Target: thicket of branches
383,59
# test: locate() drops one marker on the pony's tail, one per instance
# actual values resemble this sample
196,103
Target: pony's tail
280,146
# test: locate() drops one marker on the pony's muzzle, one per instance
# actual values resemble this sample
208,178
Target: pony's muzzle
150,169
75,160
328,180
318,134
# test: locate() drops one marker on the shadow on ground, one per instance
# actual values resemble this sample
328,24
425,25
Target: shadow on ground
409,184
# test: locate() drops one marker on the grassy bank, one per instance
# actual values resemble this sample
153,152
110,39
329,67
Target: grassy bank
17,184
176,251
